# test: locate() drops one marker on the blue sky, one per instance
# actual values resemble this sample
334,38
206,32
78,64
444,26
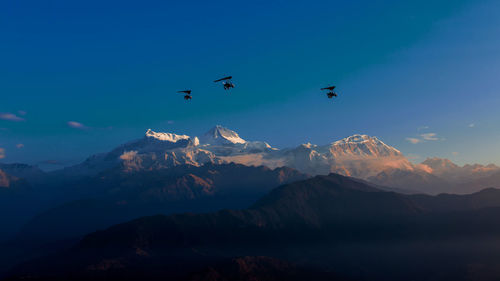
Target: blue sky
420,75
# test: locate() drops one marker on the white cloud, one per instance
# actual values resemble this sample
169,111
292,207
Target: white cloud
19,145
424,137
472,125
413,140
10,117
2,153
76,125
128,155
429,136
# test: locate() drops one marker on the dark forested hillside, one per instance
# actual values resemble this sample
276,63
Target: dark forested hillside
331,223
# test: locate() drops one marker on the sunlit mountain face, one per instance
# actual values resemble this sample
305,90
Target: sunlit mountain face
359,156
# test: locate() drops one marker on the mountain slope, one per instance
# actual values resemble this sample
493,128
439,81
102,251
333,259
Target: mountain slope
31,174
116,196
412,181
360,156
13,192
300,221
220,136
446,169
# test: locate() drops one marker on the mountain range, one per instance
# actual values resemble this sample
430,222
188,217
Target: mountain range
167,173
358,156
116,196
40,216
332,223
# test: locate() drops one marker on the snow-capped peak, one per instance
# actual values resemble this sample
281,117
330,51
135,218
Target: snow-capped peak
308,145
220,135
357,138
166,136
364,145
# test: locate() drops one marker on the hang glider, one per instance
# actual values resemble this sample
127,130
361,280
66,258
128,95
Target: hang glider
187,94
226,82
330,94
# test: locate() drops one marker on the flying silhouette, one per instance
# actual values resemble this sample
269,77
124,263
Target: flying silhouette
187,94
330,94
226,82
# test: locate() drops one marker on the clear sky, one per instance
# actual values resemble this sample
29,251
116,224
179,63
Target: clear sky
81,77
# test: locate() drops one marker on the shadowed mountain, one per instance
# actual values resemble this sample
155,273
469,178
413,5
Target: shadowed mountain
412,181
492,180
117,196
13,190
31,174
305,221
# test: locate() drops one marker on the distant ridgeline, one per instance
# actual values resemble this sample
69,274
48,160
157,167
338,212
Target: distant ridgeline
327,228
359,156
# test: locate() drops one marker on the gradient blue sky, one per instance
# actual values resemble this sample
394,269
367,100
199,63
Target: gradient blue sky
407,71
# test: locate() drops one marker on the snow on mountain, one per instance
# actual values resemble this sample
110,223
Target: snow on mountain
154,151
166,136
362,145
454,173
228,144
359,156
254,146
219,135
163,150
